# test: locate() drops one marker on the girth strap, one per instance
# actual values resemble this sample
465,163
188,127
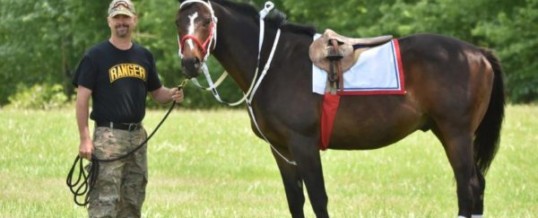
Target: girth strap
335,78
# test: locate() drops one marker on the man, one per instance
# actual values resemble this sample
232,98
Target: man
117,74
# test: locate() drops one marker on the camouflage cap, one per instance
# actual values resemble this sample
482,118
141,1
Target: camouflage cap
124,7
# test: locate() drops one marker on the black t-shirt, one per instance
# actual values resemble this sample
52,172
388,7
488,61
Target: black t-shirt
119,80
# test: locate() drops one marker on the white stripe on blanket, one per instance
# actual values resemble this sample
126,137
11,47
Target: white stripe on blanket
376,72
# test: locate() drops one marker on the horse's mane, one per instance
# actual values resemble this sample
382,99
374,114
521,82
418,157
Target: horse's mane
276,18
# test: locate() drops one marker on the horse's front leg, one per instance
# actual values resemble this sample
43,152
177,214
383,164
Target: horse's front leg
306,154
293,184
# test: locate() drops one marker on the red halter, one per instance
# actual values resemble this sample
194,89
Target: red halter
204,46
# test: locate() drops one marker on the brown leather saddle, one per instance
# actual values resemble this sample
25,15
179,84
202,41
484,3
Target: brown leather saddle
321,47
335,53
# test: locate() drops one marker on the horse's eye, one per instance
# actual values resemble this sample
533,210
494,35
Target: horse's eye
207,22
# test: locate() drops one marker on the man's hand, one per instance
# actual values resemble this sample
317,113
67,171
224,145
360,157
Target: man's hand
176,95
85,149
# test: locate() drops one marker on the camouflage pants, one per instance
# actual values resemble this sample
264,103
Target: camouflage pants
120,189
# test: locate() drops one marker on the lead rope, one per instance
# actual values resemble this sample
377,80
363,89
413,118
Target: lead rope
85,182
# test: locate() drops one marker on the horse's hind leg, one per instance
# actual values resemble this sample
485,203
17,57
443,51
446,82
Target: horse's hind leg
293,184
458,146
478,208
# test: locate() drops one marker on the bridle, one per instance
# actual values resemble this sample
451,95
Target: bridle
211,40
204,46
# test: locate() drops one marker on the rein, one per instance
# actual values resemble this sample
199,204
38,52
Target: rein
248,97
86,181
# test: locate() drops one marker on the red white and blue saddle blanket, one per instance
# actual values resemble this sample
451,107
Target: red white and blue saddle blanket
378,71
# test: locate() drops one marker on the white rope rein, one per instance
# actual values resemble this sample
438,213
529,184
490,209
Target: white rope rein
263,13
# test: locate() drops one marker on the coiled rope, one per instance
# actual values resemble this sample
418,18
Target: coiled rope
83,185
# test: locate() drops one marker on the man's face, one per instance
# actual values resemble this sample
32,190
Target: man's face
121,25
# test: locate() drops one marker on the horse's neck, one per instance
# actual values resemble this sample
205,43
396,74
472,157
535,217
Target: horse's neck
238,41
237,49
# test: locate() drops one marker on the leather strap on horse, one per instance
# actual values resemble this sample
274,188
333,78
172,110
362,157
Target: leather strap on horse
335,74
85,182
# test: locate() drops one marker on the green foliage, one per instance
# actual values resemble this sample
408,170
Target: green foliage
517,44
42,41
39,96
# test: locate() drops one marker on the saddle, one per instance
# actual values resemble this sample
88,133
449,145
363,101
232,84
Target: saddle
348,48
335,54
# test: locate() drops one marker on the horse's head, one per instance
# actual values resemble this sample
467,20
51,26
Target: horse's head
196,28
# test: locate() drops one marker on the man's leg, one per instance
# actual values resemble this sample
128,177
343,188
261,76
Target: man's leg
135,178
105,194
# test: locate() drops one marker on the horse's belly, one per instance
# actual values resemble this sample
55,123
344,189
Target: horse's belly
375,127
364,141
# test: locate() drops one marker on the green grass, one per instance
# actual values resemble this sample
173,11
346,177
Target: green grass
209,164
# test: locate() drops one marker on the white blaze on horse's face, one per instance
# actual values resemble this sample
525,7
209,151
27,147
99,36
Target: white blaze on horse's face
192,17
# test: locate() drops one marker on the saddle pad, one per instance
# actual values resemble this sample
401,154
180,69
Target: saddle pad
378,71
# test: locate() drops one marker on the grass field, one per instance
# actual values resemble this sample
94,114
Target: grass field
209,164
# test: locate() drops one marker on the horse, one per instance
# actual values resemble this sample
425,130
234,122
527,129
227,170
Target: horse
453,89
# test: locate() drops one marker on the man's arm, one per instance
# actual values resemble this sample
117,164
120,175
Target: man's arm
82,113
164,95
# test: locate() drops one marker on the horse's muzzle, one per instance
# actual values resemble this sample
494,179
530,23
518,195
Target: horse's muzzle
190,67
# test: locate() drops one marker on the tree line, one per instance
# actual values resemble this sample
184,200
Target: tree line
41,42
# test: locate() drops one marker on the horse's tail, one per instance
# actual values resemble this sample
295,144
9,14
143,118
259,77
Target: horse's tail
487,136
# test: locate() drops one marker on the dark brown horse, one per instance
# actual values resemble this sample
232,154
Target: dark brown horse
453,89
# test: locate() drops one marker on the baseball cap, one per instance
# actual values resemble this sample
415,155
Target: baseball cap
124,7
